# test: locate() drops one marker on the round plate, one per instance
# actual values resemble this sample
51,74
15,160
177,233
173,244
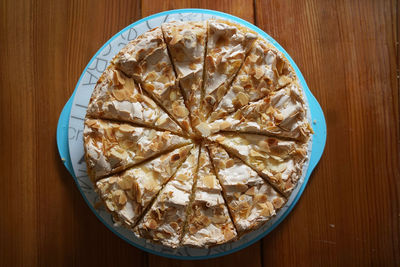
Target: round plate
70,139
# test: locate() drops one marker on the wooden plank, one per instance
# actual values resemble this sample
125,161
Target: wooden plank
45,47
349,213
244,10
249,256
240,8
17,139
348,52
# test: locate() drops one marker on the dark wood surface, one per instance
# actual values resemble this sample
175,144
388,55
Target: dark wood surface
348,52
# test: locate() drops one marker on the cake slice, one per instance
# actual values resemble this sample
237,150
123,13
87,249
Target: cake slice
208,221
250,199
283,113
186,43
117,97
227,46
264,70
164,222
151,67
278,161
127,195
111,147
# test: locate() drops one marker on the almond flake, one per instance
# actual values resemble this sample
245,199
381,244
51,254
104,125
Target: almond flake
259,73
283,80
224,125
220,138
180,111
209,181
251,191
278,202
151,224
204,129
229,163
243,98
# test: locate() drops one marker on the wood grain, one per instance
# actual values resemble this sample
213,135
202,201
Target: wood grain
348,52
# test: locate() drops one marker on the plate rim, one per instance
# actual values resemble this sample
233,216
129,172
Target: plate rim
315,154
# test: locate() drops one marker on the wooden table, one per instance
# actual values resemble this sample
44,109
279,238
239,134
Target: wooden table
348,52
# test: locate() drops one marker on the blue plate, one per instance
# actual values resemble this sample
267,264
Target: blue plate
70,126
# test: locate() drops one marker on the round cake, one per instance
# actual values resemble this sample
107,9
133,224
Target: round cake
196,134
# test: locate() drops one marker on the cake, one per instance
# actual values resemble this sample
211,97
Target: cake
196,134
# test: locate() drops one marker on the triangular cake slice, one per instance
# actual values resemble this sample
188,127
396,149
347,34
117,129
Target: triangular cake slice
251,200
117,96
264,70
227,46
111,147
283,113
155,73
127,195
208,221
186,43
279,161
164,222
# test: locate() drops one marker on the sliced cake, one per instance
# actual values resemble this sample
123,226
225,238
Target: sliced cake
208,221
186,43
111,147
117,97
126,195
250,199
164,222
279,161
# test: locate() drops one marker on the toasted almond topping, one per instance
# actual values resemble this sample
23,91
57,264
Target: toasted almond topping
152,76
204,129
260,198
259,73
251,191
110,205
149,87
228,234
151,224
220,138
279,117
112,180
278,202
122,198
174,225
119,77
182,177
224,125
209,181
180,111
243,98
256,154
126,128
283,80
126,182
172,96
229,163
192,229
192,66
